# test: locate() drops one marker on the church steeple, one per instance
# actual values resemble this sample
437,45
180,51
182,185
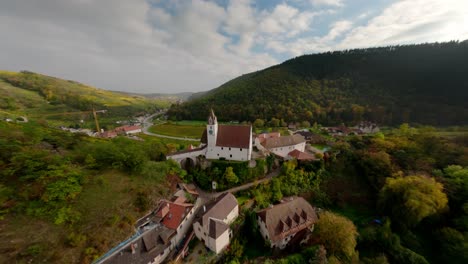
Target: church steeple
212,120
212,129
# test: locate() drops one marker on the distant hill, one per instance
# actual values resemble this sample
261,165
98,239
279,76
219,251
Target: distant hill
163,96
426,83
39,96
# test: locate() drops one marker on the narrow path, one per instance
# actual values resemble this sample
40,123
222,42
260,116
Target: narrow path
211,195
147,124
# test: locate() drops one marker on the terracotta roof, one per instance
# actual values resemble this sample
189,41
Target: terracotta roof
175,215
216,228
289,217
108,134
131,128
233,136
299,155
283,141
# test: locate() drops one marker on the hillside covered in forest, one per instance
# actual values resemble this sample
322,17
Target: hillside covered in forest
423,84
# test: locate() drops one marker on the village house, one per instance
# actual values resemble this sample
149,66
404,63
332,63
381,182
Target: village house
291,221
300,156
312,137
367,127
212,224
281,145
128,130
158,233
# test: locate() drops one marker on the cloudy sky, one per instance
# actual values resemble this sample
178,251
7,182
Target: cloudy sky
172,46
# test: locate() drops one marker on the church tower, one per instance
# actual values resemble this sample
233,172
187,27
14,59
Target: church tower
212,129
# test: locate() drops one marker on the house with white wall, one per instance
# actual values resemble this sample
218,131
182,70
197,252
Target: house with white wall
282,145
212,224
291,220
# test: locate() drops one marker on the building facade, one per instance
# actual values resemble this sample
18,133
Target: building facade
212,224
292,219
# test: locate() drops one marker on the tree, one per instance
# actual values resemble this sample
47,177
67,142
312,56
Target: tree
276,190
453,246
338,235
274,122
230,176
259,123
410,199
305,124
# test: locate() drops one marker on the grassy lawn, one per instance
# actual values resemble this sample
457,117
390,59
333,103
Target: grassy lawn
359,216
242,199
320,146
189,131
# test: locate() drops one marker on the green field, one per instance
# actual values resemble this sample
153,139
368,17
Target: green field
189,131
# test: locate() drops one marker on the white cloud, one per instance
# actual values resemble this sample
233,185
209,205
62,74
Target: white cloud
327,2
412,21
122,45
403,22
180,45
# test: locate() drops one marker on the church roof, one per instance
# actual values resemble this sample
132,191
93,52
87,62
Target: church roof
233,136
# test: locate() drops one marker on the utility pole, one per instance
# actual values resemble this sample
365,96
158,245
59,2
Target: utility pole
96,120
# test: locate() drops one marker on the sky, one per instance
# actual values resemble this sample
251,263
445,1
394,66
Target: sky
171,46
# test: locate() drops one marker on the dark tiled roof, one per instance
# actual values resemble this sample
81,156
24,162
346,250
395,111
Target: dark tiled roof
186,151
145,248
233,136
217,228
220,208
289,217
283,141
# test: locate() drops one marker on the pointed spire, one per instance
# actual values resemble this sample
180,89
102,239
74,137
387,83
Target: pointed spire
212,118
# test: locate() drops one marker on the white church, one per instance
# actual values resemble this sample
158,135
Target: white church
230,142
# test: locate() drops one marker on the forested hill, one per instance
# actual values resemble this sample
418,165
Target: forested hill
38,96
426,83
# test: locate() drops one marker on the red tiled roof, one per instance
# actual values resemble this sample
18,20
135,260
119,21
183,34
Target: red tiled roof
233,136
127,128
131,128
299,155
177,212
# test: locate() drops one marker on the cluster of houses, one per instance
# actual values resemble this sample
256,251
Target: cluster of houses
121,131
362,128
236,143
169,228
174,222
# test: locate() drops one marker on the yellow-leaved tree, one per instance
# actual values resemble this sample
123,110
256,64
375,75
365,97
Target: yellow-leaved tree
412,198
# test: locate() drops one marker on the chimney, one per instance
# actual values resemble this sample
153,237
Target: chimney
204,208
132,246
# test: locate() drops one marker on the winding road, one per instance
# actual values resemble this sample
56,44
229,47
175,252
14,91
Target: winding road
147,123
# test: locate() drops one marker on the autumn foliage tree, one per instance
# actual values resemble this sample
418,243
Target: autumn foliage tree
410,199
338,235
